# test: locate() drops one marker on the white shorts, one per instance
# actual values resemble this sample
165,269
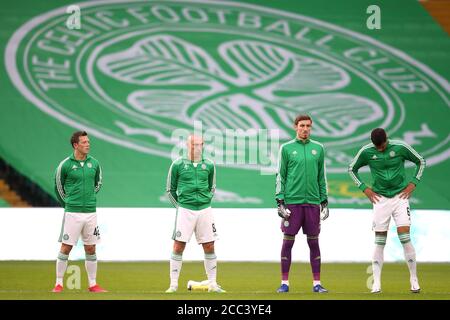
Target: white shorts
201,221
75,224
385,208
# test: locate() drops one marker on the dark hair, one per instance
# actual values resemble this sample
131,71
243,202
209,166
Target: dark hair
378,136
302,117
76,137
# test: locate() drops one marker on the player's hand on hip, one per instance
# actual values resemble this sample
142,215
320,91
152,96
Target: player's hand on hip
406,193
373,196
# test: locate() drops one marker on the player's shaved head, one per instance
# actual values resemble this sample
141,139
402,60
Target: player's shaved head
193,139
195,147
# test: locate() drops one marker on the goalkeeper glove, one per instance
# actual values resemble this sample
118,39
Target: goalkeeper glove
324,212
283,212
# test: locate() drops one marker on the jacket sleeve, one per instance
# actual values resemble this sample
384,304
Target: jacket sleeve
322,178
212,179
358,162
413,156
98,178
172,184
60,179
281,174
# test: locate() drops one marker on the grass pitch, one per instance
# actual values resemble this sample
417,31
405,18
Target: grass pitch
242,280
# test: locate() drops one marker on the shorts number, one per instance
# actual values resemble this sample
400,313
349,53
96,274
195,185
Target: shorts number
214,227
408,212
96,231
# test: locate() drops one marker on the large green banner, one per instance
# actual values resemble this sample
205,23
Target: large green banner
137,75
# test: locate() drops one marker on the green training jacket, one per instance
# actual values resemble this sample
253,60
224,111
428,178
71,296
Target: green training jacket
301,175
191,187
77,183
387,167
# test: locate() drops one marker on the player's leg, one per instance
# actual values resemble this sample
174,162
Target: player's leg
61,266
382,211
311,227
91,268
70,231
176,262
211,267
286,259
210,262
91,236
410,257
378,259
206,234
290,229
185,221
402,219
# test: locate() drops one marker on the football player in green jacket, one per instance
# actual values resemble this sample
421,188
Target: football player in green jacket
302,198
78,178
191,183
389,194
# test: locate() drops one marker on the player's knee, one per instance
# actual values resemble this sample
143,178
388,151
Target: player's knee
288,237
178,247
65,248
178,250
313,241
208,247
404,229
89,249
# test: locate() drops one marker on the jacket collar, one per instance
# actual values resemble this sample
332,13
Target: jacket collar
72,157
185,159
301,141
190,161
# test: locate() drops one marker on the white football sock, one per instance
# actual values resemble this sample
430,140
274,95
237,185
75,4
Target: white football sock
61,266
410,254
176,261
211,267
378,259
91,268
